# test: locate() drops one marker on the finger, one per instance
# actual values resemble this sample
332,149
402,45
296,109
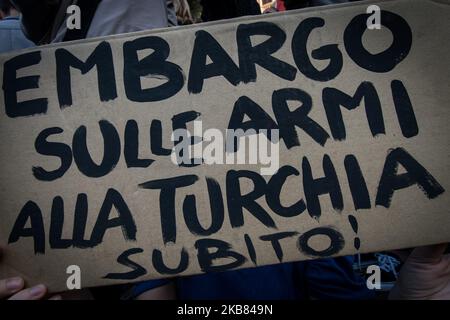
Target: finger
10,286
33,293
433,253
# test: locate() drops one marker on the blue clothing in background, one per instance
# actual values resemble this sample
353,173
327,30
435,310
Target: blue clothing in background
11,35
319,279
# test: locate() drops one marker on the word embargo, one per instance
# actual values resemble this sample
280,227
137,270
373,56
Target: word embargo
205,47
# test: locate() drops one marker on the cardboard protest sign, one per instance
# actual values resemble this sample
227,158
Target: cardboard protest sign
358,159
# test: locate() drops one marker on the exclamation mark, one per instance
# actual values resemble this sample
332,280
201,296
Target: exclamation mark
354,224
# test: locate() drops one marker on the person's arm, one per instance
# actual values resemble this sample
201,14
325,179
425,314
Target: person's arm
15,289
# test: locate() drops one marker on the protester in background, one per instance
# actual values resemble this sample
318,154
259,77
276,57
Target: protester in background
298,4
270,10
183,12
227,9
171,14
314,3
45,20
11,35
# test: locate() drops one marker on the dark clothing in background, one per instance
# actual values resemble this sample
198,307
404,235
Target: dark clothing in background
319,279
44,21
298,4
37,17
227,9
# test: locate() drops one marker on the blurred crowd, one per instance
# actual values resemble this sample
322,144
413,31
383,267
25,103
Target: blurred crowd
26,23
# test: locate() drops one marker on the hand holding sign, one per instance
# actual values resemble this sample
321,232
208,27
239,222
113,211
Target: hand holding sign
14,289
425,275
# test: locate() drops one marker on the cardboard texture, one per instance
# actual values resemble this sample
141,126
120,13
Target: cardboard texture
365,169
